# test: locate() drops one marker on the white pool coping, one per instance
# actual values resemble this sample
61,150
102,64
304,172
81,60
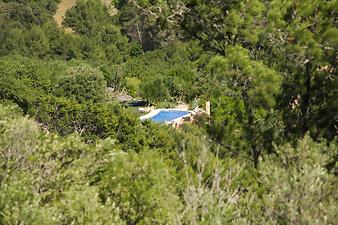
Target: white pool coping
157,111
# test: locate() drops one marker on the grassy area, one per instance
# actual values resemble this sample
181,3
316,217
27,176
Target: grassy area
135,111
165,105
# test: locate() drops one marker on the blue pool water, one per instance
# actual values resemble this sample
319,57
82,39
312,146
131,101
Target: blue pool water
166,116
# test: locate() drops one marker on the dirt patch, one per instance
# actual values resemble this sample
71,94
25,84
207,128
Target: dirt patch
106,2
62,9
67,4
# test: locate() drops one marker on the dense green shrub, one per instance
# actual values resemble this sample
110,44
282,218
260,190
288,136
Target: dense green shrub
82,83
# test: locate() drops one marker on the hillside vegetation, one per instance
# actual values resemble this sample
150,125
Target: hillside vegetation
63,7
71,153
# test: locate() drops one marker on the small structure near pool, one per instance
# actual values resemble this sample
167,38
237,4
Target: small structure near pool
124,98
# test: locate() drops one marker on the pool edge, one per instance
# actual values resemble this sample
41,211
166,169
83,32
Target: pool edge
157,111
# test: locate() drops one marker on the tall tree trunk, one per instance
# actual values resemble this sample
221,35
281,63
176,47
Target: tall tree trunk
306,99
139,34
250,129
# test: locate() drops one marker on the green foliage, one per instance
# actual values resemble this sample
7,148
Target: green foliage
28,12
242,74
133,86
266,154
67,116
22,80
250,89
227,125
301,49
217,23
82,83
86,15
143,186
82,205
169,73
150,23
215,194
301,190
42,175
28,30
91,19
154,90
36,172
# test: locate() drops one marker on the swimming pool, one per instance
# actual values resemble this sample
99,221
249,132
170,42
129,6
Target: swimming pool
165,115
